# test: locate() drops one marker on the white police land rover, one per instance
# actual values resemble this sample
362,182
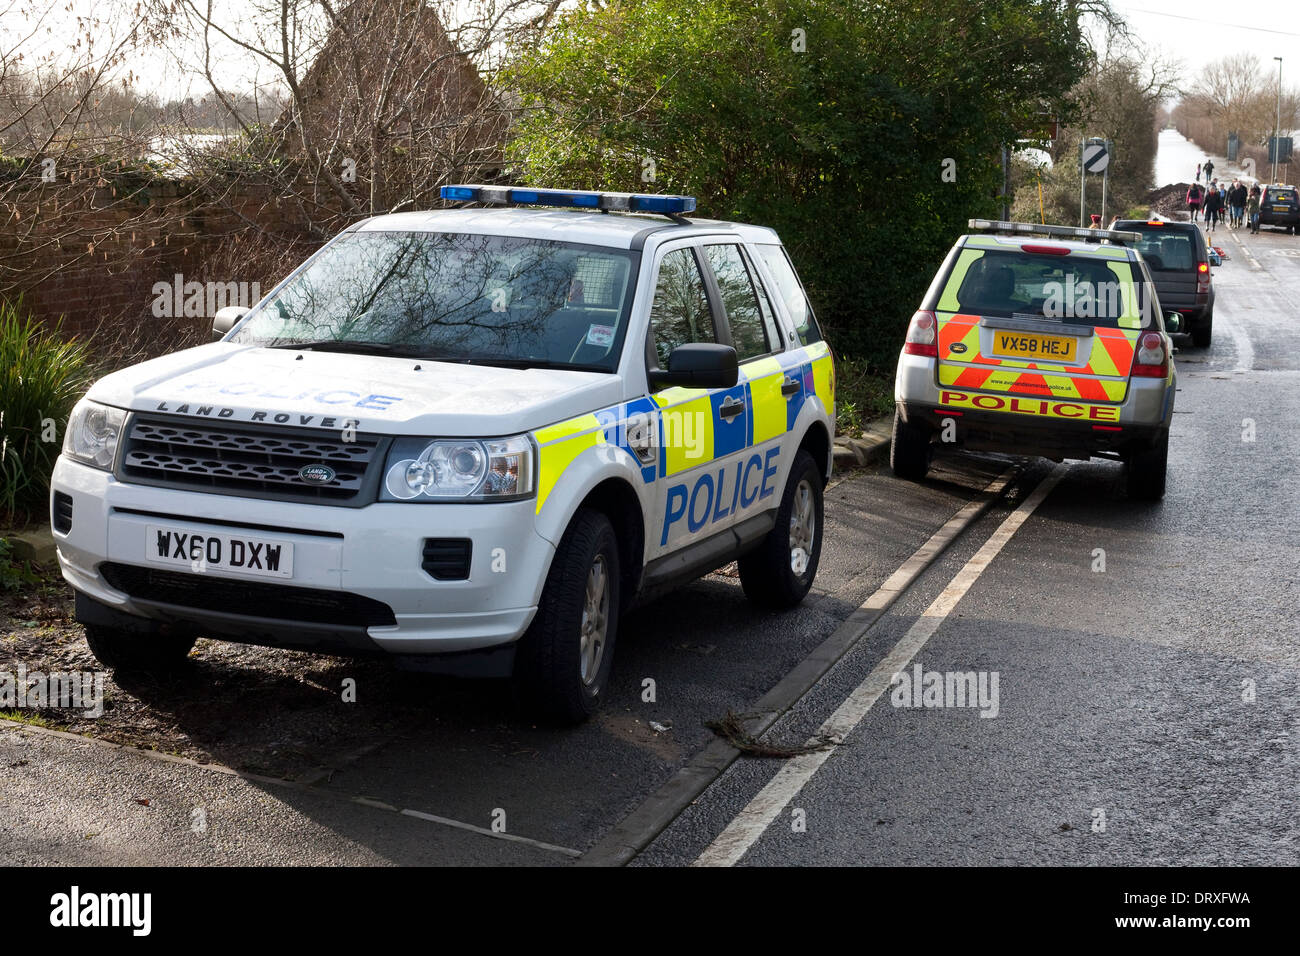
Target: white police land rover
469,438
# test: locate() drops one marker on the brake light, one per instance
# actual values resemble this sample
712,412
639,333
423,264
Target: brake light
922,335
1150,360
1045,250
1203,267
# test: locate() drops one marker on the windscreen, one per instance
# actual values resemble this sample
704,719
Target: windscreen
1072,289
450,296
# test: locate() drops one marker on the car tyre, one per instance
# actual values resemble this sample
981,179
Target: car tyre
1202,334
125,650
779,572
909,450
563,661
1147,469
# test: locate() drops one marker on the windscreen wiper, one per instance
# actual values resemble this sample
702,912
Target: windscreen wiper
505,361
396,349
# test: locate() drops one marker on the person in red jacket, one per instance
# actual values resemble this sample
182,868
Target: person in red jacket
1194,199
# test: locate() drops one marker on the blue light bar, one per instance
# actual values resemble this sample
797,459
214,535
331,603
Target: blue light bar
565,198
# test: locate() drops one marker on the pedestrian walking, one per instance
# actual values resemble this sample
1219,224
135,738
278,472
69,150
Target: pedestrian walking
1209,168
1213,207
1252,210
1198,172
1237,196
1194,199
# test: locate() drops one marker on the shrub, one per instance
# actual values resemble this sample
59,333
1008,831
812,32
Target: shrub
865,134
41,377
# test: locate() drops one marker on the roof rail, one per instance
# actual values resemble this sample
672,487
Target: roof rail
1117,236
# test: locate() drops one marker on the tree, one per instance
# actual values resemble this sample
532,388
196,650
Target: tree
865,133
1118,100
1236,94
384,101
61,112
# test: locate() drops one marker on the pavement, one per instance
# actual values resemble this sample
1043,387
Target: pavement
1144,711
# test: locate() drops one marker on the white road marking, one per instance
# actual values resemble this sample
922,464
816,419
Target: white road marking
744,831
1254,263
1240,342
457,824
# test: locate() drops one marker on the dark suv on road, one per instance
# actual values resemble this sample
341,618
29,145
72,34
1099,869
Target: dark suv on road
1280,206
1177,257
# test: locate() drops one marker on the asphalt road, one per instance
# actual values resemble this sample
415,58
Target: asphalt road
1145,713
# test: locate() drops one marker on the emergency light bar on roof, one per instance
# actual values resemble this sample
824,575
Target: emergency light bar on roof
617,202
1061,232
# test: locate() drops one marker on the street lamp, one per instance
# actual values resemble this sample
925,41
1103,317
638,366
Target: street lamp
1277,129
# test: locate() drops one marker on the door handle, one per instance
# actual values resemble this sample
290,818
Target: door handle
730,408
790,387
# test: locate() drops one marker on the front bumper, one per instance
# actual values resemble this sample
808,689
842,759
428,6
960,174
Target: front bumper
370,556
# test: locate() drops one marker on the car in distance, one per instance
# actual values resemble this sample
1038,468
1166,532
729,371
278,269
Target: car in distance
1280,206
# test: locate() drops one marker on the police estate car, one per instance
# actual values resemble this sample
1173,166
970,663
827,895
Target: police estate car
1040,340
469,438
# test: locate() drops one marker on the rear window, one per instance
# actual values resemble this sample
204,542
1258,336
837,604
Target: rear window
1279,195
1164,249
1072,289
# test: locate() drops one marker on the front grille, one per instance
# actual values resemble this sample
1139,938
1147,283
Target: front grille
203,592
246,459
447,559
61,512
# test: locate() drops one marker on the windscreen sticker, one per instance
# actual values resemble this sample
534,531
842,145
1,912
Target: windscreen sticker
602,335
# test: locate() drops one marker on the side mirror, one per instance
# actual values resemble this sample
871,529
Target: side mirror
1173,322
699,365
225,320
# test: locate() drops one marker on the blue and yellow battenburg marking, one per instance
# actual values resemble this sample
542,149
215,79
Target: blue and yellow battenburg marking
693,432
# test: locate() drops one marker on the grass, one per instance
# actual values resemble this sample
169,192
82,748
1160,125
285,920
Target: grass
27,717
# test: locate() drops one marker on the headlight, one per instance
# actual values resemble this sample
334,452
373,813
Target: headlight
500,469
92,433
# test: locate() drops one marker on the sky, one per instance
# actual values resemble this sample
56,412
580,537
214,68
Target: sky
1198,31
1190,32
